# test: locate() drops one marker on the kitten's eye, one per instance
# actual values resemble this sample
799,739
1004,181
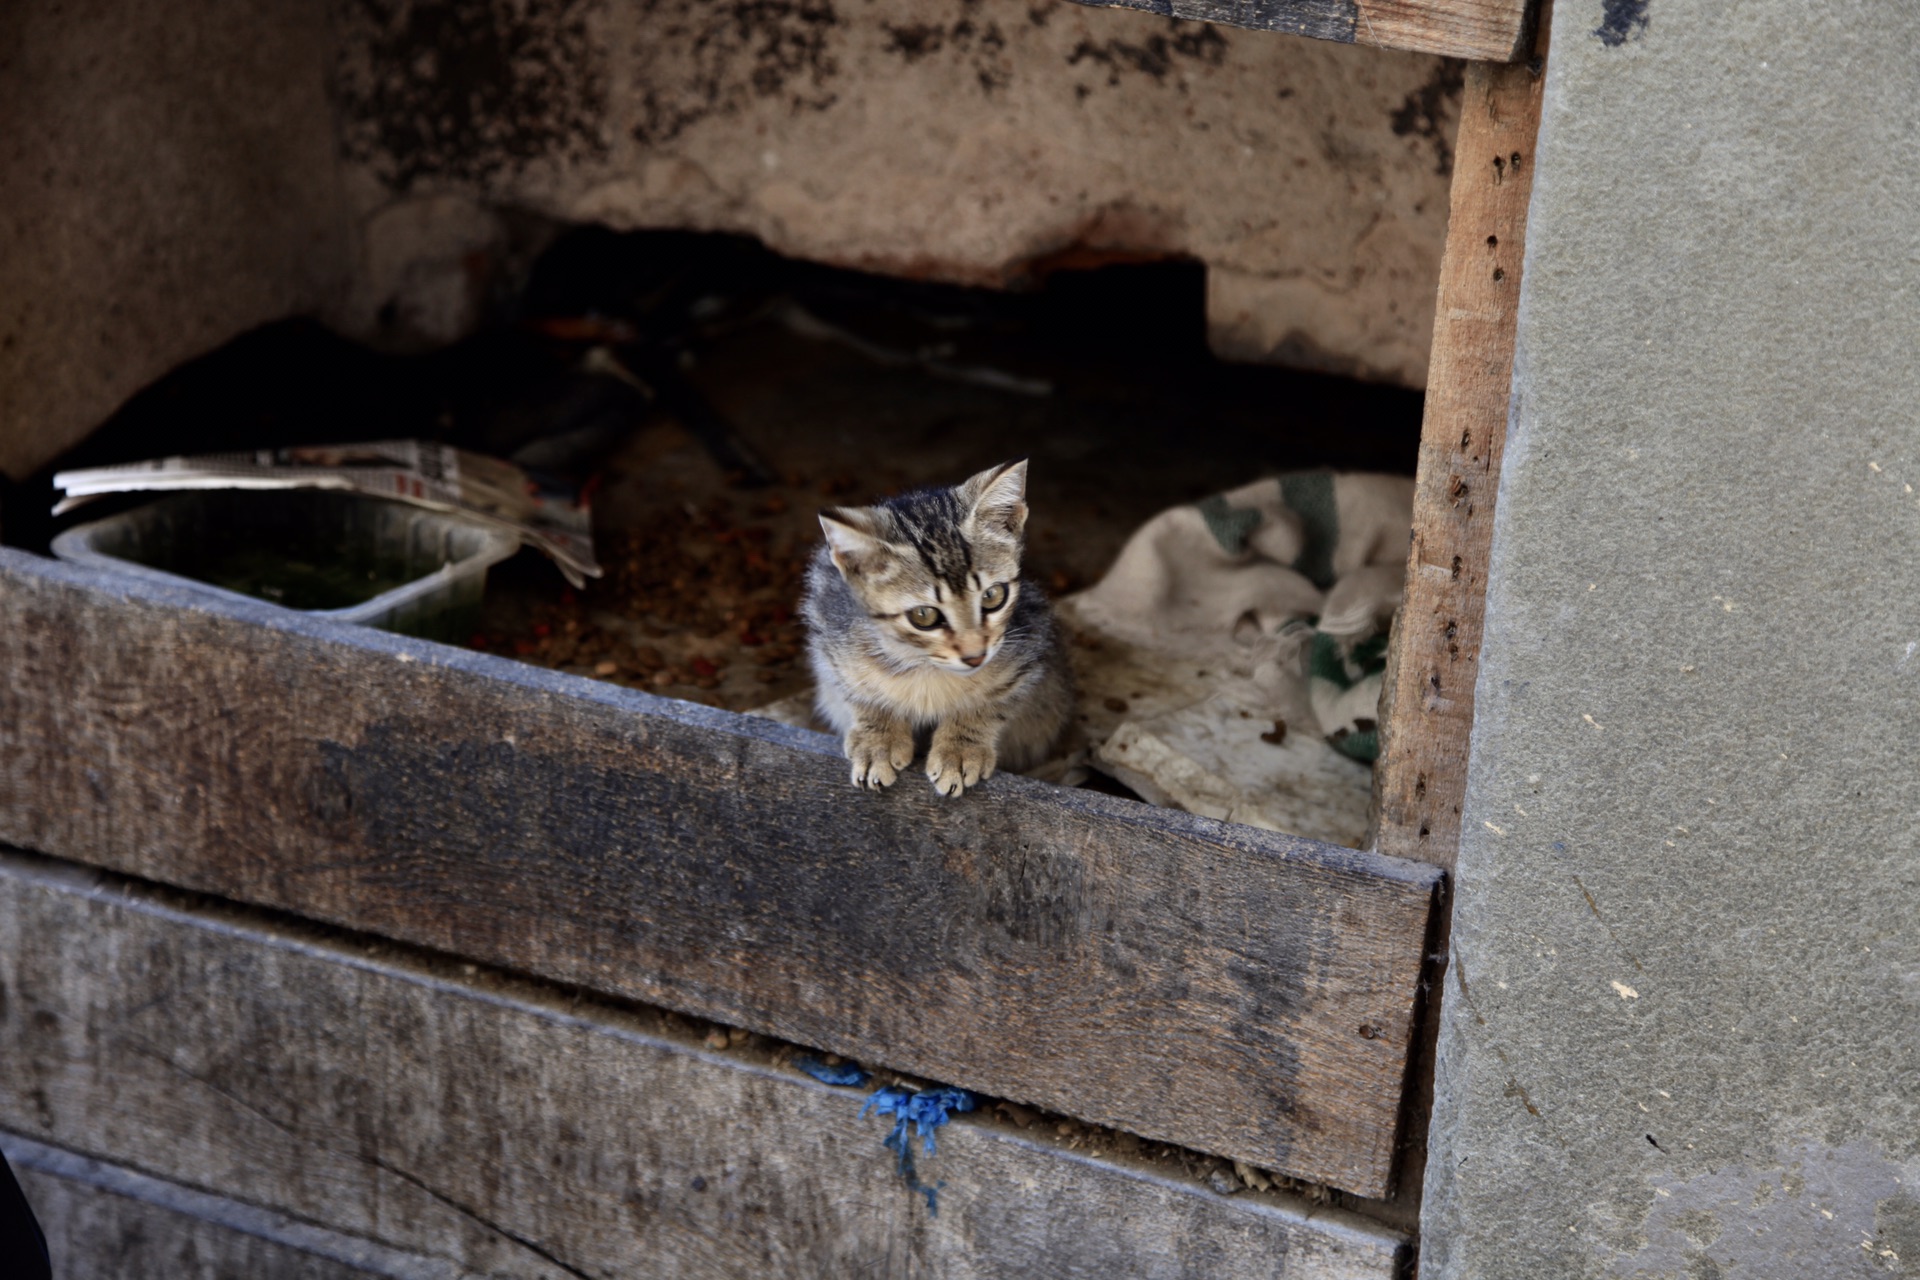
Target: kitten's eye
925,617
995,596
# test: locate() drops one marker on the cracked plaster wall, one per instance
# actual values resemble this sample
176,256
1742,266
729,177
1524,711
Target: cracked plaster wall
1681,1035
968,141
173,175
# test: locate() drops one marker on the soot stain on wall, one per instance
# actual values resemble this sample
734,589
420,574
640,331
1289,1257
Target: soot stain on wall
1621,19
705,59
465,89
1156,56
982,44
1431,111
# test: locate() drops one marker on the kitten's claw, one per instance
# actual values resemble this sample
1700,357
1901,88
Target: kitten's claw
955,766
873,774
878,755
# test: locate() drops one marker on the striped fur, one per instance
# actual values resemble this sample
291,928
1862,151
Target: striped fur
983,688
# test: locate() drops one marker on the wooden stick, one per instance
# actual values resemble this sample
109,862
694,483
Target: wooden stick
1495,30
1427,710
1427,699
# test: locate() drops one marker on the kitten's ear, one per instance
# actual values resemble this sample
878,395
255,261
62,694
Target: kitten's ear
998,496
850,540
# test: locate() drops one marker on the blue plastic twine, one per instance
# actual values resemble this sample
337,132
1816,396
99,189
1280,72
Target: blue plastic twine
926,1111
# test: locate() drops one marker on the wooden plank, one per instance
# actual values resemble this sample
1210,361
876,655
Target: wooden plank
1434,658
506,1127
103,1219
1421,776
1489,30
1223,988
95,1233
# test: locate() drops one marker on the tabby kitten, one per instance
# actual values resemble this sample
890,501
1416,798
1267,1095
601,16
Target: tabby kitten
917,621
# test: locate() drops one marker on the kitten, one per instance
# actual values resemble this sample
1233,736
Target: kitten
917,620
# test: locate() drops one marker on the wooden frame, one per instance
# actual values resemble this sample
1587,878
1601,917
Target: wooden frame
1489,30
1226,989
1427,700
1427,696
310,1105
1220,988
1426,712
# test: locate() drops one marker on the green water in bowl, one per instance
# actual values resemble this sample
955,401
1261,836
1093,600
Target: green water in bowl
297,575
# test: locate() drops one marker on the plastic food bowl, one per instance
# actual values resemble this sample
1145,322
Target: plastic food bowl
343,556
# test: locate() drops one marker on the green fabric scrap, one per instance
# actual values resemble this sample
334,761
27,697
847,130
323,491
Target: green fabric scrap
1310,495
1230,526
1333,663
1362,744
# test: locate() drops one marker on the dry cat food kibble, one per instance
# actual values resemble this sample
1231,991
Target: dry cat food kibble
695,605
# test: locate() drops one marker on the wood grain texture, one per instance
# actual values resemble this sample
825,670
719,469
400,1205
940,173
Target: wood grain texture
93,1233
1223,988
485,1124
1434,657
105,1220
1490,30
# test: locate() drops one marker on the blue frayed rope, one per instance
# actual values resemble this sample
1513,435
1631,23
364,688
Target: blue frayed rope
843,1074
926,1111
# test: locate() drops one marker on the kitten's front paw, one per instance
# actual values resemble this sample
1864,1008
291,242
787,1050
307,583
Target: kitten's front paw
878,754
955,763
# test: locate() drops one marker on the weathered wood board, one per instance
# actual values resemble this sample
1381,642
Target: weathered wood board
1427,700
104,1220
1215,986
489,1124
1489,30
1432,662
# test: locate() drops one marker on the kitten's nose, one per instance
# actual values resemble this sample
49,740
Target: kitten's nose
973,659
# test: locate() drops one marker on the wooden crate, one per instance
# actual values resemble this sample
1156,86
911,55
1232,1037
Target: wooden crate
1227,989
277,1101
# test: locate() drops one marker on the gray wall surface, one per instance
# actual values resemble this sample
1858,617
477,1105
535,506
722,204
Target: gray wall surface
168,178
1682,1027
954,141
174,174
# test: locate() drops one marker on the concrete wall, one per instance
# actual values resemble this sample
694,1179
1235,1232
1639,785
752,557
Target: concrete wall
1682,1029
174,174
168,178
965,140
